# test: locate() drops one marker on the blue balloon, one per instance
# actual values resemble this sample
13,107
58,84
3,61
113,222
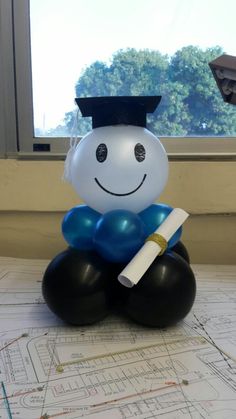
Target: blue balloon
119,235
154,216
78,227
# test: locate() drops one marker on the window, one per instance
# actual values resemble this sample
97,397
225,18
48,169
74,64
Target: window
68,48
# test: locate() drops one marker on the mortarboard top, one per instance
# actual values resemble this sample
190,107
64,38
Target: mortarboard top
115,110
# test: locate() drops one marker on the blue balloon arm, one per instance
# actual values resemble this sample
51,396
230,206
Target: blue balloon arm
78,227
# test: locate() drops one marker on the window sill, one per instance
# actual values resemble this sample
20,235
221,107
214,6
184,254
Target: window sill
177,148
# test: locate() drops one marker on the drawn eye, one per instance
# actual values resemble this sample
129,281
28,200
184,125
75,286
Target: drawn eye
139,152
101,153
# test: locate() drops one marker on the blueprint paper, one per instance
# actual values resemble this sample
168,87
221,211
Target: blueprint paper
116,368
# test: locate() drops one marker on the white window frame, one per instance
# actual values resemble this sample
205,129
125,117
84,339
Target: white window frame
16,106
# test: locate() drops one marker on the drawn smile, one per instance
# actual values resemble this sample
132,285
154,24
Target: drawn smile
120,194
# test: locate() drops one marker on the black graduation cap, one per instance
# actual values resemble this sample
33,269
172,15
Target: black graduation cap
115,110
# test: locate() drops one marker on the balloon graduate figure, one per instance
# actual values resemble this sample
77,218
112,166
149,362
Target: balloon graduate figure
119,169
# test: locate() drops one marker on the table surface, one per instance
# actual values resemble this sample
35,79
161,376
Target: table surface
116,368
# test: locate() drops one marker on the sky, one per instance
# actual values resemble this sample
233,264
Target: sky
69,35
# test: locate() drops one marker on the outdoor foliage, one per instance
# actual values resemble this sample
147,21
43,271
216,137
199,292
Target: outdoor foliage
191,103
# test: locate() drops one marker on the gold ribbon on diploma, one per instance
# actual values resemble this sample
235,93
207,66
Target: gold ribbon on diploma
160,240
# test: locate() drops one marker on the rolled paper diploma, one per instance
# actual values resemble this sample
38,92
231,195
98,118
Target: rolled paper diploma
140,263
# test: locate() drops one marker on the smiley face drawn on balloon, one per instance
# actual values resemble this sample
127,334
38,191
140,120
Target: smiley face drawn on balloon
119,167
101,154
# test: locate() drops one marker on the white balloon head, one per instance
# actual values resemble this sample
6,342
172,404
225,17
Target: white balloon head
119,165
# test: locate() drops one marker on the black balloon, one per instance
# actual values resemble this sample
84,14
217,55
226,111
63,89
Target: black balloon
80,287
165,294
181,250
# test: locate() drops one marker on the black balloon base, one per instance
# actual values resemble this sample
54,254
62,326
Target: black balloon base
82,288
165,294
181,250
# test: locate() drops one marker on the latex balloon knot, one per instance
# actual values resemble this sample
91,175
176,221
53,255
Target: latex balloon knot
160,240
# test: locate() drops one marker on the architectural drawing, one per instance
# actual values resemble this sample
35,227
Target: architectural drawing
116,368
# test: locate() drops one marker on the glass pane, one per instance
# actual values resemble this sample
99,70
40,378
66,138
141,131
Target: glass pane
132,47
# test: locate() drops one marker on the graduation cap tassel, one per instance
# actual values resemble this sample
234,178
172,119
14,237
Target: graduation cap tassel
74,140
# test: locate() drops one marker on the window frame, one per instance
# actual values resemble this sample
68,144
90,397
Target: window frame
8,123
16,108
